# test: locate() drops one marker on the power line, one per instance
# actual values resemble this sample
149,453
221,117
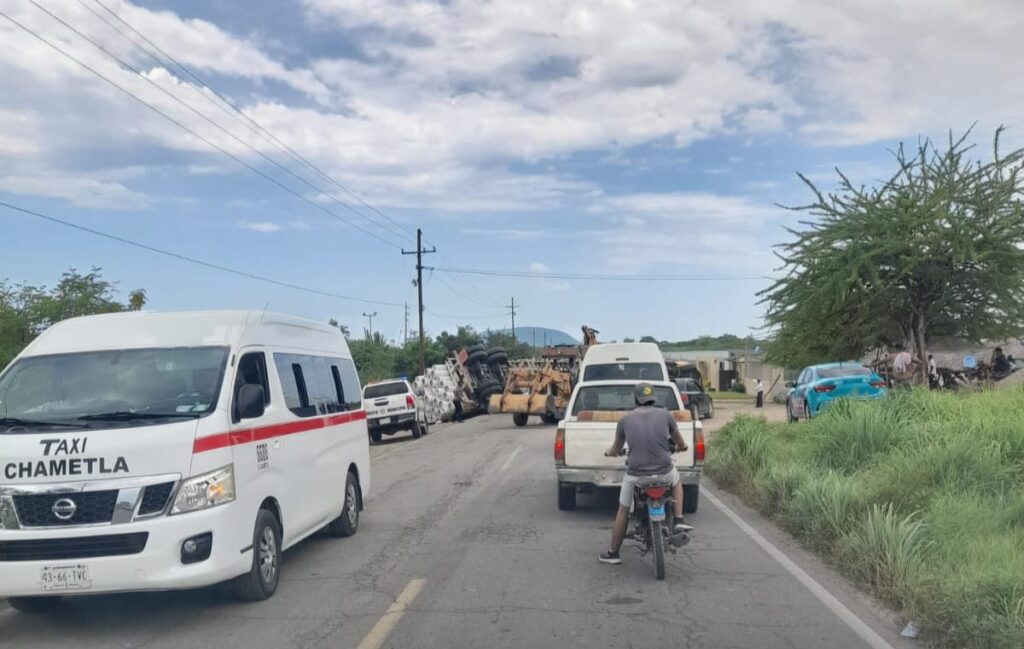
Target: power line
254,124
247,122
193,260
195,134
599,277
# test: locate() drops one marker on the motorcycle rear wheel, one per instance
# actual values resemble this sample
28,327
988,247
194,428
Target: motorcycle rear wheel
658,541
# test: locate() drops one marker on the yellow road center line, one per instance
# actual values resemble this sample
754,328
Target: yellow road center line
387,623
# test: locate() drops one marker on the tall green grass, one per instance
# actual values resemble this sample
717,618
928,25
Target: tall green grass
919,497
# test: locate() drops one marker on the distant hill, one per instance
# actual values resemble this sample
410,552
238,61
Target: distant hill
539,336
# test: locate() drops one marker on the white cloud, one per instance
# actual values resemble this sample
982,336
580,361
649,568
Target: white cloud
678,207
539,267
265,227
80,191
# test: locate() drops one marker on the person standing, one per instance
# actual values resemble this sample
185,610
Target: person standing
457,404
933,373
759,390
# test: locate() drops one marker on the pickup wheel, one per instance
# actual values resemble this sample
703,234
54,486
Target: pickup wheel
520,418
375,436
566,497
417,432
691,498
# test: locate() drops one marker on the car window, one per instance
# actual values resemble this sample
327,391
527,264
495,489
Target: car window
619,398
630,371
384,390
848,370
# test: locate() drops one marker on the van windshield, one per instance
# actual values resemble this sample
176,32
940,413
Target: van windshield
384,390
129,387
624,371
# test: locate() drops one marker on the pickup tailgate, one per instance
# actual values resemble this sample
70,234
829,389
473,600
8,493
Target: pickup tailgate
586,442
395,404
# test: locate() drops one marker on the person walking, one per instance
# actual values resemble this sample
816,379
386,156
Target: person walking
759,390
457,415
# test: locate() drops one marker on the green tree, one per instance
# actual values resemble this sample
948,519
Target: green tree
26,311
938,249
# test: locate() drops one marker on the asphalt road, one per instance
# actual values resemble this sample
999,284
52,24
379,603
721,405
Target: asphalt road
462,545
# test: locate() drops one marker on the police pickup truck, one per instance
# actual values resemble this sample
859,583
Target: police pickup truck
391,406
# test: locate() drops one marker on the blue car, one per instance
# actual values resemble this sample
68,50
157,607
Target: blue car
818,386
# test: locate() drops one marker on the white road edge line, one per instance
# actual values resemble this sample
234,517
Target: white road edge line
828,599
511,457
386,624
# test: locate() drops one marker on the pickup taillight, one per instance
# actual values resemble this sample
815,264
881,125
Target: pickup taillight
559,445
698,445
409,401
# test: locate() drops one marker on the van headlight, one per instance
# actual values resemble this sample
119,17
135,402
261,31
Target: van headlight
205,491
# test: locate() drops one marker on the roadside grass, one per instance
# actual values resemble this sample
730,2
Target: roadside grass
919,498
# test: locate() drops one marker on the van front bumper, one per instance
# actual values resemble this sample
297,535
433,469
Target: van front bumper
157,567
611,477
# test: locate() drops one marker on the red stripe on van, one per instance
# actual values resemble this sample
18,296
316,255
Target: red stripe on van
247,435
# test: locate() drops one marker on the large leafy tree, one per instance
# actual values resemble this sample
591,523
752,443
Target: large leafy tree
26,311
938,249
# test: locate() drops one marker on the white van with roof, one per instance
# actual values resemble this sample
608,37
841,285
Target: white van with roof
623,362
155,451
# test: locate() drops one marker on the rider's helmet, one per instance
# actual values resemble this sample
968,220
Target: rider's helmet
643,393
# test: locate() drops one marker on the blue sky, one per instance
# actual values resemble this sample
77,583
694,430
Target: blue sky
577,137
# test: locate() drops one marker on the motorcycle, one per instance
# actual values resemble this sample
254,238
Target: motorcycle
650,523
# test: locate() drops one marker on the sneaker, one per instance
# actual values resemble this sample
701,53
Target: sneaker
682,527
610,557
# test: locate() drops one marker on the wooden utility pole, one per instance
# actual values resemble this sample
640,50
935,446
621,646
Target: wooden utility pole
419,252
512,310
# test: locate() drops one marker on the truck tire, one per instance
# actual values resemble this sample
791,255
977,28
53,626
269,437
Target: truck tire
347,522
477,357
478,347
375,436
691,498
658,543
566,497
488,388
497,357
520,418
35,605
261,581
417,432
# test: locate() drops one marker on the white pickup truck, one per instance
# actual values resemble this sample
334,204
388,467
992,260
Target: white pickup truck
392,406
588,430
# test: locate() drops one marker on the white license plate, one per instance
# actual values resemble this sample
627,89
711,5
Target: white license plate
65,577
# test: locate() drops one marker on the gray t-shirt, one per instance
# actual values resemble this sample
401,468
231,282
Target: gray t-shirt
648,432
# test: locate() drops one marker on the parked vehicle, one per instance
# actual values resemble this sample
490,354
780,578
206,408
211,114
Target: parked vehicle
623,361
589,430
392,406
696,399
819,386
155,451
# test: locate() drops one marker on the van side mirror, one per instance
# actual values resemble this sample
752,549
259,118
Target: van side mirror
250,401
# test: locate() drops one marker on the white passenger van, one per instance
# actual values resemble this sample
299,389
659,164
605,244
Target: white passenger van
153,451
623,362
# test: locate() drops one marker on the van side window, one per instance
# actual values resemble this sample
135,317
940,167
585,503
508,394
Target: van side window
294,384
252,370
351,395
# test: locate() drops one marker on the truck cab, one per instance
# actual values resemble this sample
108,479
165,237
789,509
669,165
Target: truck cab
623,361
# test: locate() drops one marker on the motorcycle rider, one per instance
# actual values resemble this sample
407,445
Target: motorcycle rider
649,432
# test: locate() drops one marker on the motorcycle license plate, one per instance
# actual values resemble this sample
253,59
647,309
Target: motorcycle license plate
656,512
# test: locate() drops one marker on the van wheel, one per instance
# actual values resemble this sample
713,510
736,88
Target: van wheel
416,430
566,497
348,522
37,605
375,436
691,498
261,581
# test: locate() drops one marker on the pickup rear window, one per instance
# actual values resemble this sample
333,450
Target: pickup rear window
619,398
384,390
624,371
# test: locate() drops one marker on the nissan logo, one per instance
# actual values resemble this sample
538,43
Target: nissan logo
64,509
